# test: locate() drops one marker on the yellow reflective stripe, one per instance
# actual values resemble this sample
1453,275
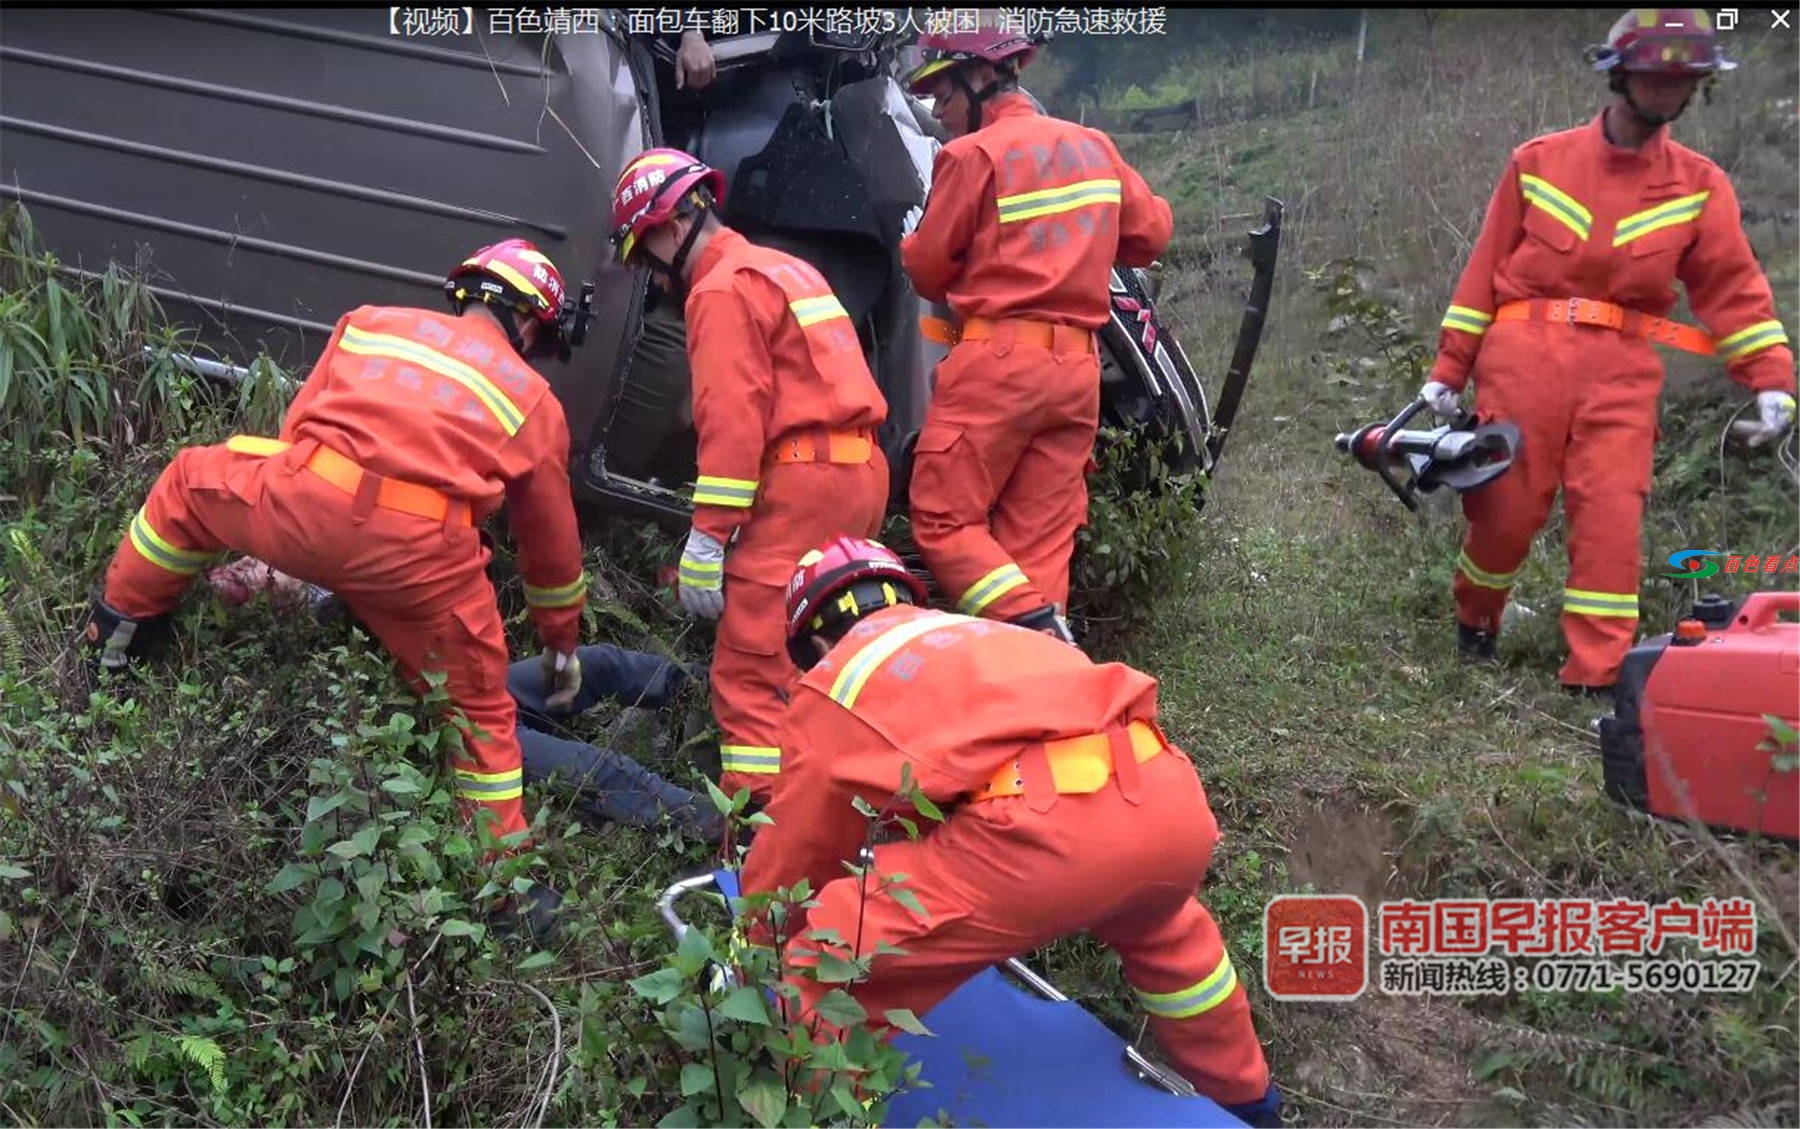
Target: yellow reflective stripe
1558,204
1750,339
857,672
698,574
651,160
537,257
517,280
1484,578
1685,210
1468,320
930,69
490,786
756,760
256,445
739,493
1049,201
812,311
557,597
1194,999
364,343
148,542
989,588
1619,604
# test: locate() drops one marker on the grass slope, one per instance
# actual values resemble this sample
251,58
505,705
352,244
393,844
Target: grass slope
1306,645
167,957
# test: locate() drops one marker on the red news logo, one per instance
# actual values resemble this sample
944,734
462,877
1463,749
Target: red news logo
1316,947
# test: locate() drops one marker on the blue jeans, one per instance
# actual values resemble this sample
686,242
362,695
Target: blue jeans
610,784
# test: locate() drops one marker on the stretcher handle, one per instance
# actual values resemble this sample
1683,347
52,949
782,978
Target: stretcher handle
665,905
1173,1083
1762,608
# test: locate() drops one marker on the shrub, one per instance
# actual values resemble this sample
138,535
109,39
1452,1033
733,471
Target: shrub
1131,552
749,1047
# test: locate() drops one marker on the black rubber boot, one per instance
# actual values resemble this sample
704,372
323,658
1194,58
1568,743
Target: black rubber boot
1263,1114
1046,620
114,638
1476,645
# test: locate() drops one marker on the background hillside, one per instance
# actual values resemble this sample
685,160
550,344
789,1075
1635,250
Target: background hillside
236,896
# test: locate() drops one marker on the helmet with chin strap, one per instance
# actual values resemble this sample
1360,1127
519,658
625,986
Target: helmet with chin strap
513,276
656,186
950,53
1679,42
837,584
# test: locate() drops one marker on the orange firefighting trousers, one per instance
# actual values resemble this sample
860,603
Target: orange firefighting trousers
998,879
799,507
419,585
1584,399
999,484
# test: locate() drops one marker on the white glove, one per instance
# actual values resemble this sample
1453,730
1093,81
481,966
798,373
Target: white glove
1442,399
1777,411
702,576
910,222
562,680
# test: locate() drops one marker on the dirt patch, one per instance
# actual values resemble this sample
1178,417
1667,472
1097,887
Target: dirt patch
1385,1060
1380,1059
1342,849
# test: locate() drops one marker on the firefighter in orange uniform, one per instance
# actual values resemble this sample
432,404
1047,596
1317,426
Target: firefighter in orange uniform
412,428
1556,317
1026,218
1067,811
786,411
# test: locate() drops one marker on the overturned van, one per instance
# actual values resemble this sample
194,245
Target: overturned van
271,168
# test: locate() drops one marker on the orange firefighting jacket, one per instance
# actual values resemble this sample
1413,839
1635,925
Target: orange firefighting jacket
1576,216
952,697
445,402
1027,216
772,352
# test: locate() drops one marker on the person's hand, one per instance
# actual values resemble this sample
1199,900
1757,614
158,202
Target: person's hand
562,679
702,576
694,67
1777,412
1442,398
910,222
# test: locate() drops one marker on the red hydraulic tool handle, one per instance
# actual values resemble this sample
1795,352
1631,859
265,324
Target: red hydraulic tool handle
1762,608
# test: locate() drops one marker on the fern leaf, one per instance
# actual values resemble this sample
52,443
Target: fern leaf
207,1055
138,1051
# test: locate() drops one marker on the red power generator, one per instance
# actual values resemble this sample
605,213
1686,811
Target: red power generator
1688,719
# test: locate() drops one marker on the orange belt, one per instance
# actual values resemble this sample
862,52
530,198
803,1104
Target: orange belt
347,475
1078,765
1632,323
1045,335
819,445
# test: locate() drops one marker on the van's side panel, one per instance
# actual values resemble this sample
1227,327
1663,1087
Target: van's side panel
275,167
